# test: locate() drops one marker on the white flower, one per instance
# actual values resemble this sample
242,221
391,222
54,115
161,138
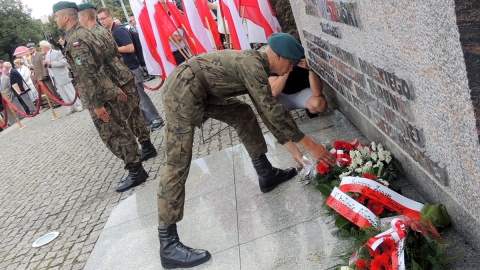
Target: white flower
359,170
379,147
365,151
345,268
374,156
374,146
381,155
383,182
345,174
388,156
359,160
353,164
368,165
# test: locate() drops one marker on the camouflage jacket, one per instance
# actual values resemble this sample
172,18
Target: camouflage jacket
119,73
233,73
85,56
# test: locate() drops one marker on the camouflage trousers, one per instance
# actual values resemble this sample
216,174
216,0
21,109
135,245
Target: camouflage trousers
133,115
116,134
184,105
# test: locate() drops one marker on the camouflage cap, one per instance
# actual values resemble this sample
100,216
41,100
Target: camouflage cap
84,6
286,46
63,5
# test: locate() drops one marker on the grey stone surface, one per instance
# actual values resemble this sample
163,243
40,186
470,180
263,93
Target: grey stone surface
57,175
418,41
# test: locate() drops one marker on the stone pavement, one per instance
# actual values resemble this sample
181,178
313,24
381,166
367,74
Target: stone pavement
58,176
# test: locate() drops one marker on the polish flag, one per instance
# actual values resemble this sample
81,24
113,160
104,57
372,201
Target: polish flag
163,29
269,15
260,13
153,60
237,32
200,19
183,23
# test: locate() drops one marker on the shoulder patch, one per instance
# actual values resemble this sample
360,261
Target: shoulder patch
76,44
78,61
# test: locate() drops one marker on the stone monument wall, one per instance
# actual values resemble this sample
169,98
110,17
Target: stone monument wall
407,74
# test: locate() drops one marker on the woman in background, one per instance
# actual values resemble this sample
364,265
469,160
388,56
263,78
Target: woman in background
26,75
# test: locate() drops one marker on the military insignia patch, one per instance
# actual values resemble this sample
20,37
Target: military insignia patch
78,61
76,44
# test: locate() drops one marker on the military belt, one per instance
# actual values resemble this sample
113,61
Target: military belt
197,71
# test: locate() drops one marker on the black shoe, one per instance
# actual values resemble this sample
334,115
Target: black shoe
270,177
148,151
174,254
136,176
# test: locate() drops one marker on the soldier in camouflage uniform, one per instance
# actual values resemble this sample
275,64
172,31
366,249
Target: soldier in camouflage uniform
122,77
99,95
205,86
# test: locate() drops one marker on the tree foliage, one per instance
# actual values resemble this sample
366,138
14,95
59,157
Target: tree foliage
17,27
114,6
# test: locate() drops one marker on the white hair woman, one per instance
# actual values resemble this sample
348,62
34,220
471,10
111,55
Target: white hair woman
26,75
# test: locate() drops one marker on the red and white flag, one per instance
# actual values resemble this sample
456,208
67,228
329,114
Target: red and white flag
232,18
149,43
202,24
183,23
259,19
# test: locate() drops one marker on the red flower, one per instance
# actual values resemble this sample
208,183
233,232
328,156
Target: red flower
348,146
361,264
338,145
375,207
343,145
359,198
369,176
381,262
387,246
322,169
344,160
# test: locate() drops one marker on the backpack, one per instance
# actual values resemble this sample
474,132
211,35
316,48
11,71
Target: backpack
138,47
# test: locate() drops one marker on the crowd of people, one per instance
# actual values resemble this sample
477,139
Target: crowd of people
101,58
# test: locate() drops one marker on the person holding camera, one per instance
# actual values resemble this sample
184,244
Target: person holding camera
41,73
56,65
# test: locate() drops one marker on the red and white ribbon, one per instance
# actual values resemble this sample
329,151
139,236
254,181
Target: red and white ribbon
352,210
387,197
397,232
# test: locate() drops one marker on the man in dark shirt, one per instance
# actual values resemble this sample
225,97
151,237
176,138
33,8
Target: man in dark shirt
127,49
300,88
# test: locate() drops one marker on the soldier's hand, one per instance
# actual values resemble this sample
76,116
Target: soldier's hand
320,153
122,97
102,114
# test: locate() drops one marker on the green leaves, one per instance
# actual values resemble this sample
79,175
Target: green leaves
17,27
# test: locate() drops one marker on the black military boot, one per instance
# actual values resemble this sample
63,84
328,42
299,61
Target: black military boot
268,176
148,150
136,176
174,254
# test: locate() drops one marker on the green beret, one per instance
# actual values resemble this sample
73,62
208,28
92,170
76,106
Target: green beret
63,5
84,6
286,46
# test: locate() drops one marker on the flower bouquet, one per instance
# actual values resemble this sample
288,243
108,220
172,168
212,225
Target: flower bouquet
391,231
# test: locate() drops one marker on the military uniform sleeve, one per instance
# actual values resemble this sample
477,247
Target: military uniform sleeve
256,81
85,56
